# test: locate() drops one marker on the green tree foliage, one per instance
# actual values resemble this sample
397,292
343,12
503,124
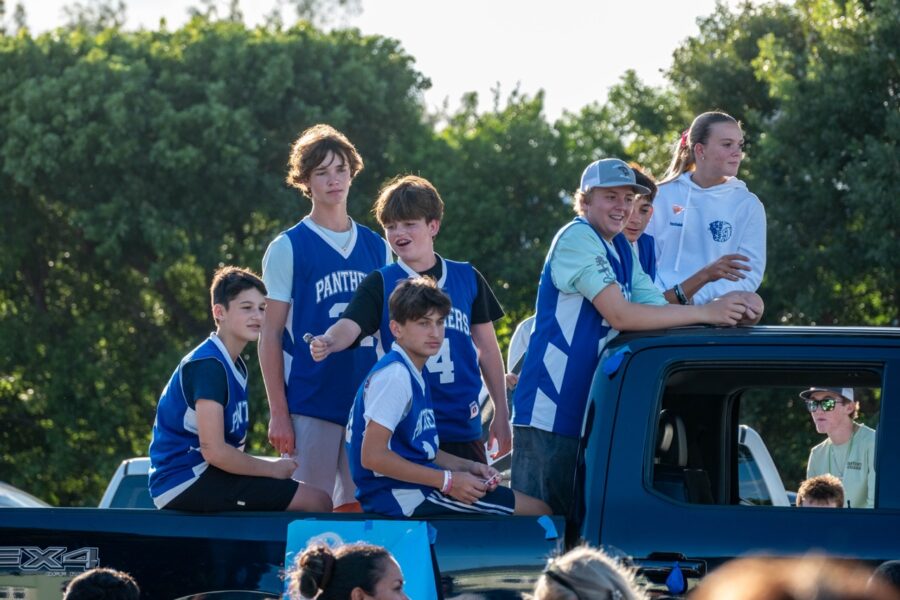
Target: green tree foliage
830,159
714,69
648,119
507,177
132,165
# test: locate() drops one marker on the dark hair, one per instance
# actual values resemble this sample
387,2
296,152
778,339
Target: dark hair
408,198
414,298
102,584
822,488
645,180
230,281
683,158
310,150
888,572
326,574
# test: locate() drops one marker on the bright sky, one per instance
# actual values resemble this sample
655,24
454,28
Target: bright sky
573,49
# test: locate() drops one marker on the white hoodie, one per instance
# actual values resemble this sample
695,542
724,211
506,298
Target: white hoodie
694,226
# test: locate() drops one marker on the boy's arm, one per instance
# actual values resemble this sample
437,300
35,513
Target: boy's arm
362,317
377,457
211,430
339,336
271,362
580,264
491,363
629,316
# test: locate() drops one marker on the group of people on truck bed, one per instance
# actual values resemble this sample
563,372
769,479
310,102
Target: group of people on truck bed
373,366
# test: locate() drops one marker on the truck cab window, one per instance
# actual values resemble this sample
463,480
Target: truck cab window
750,436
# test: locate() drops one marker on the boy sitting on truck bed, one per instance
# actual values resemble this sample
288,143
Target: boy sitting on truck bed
410,210
395,456
591,288
197,461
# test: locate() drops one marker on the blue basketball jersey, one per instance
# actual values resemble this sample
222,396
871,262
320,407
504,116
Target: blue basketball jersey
569,335
325,277
175,458
453,373
415,438
646,246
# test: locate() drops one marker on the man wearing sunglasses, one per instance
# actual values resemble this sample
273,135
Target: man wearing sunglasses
849,451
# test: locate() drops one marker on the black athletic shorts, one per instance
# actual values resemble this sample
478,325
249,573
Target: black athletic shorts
473,450
217,490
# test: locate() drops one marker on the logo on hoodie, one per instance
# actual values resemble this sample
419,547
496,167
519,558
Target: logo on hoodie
720,230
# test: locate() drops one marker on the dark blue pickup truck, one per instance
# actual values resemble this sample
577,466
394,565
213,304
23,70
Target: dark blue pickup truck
661,479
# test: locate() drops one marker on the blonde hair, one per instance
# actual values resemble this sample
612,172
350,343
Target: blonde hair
683,158
586,573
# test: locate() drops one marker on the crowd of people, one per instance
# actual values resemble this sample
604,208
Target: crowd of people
361,571
373,367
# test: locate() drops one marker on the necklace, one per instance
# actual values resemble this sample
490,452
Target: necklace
831,468
336,236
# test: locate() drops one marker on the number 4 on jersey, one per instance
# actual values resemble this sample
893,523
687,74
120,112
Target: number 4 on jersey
442,363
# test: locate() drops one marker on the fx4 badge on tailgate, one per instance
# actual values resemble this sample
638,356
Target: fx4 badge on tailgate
31,559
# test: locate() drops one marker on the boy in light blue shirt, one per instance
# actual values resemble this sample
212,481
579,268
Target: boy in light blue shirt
591,287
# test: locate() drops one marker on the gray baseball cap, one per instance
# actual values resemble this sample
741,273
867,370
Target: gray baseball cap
845,392
607,173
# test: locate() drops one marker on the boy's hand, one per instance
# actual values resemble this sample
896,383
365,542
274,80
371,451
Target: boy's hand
501,433
488,475
753,303
467,487
727,310
320,347
512,380
281,434
283,468
728,267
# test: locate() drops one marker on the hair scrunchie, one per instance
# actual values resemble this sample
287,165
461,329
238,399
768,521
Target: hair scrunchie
328,561
684,139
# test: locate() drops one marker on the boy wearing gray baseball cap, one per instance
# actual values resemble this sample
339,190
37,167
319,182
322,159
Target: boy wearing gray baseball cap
591,287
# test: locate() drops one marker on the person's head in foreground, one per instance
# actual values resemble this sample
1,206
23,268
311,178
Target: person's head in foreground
807,578
887,573
822,491
102,584
350,572
586,573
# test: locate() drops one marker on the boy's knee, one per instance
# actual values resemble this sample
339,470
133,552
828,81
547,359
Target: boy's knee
310,499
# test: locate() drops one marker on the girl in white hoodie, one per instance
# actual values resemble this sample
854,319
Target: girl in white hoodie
705,220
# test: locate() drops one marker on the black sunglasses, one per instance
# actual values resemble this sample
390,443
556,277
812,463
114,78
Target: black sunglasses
826,404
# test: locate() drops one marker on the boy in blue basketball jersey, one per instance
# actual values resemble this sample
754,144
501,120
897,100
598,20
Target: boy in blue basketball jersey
727,266
311,271
196,453
394,445
410,210
637,223
591,288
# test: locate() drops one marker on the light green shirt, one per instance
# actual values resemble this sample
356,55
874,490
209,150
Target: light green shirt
579,265
853,463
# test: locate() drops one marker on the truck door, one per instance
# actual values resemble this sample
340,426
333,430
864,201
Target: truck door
671,492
